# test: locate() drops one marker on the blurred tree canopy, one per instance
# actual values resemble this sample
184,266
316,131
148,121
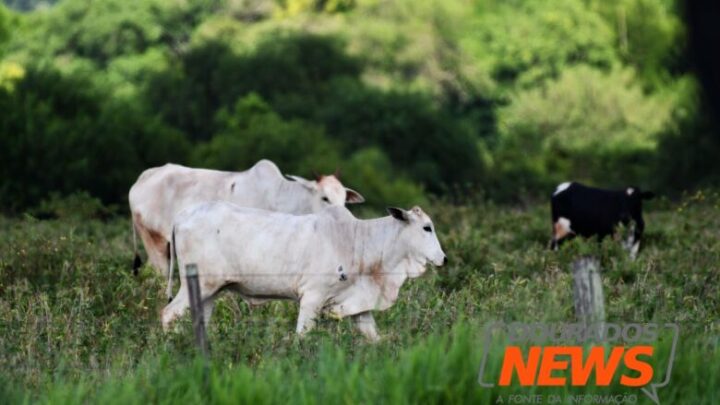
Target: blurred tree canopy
486,97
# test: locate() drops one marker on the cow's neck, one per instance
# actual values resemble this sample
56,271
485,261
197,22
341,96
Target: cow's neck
377,242
293,198
380,261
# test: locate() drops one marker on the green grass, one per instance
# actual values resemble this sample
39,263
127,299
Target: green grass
77,327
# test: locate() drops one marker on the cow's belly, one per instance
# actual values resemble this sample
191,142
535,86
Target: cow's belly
264,285
254,298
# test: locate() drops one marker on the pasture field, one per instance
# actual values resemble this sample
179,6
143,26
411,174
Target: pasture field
77,327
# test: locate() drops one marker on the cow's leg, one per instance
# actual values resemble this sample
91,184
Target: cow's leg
137,262
561,232
176,308
630,237
310,305
156,247
637,235
208,306
553,240
365,323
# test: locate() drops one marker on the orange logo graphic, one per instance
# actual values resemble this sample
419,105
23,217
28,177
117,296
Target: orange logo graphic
558,355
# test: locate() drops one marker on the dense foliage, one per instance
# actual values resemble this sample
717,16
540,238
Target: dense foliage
500,98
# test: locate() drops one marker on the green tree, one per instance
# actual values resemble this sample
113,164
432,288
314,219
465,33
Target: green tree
6,26
382,184
420,139
67,136
289,71
585,125
252,131
101,30
649,36
525,42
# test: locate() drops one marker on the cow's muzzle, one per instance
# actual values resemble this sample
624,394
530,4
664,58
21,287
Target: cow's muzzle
440,263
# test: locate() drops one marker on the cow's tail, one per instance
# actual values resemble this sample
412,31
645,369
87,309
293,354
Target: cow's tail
171,266
137,263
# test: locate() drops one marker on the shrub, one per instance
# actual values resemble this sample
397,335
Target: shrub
586,125
252,131
526,42
76,206
370,171
420,139
69,137
289,71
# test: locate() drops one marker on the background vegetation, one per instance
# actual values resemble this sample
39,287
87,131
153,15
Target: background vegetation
503,98
476,109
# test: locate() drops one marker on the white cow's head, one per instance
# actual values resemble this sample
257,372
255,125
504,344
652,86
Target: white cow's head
327,191
419,235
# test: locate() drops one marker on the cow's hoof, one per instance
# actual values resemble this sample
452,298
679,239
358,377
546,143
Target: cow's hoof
137,263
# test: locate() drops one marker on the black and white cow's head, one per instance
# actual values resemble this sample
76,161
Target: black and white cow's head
634,199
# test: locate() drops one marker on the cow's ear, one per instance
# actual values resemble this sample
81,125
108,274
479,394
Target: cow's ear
398,213
353,197
647,195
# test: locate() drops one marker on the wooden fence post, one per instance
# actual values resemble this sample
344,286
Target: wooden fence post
196,308
589,299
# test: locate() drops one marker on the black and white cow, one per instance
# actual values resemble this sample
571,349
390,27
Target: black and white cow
588,211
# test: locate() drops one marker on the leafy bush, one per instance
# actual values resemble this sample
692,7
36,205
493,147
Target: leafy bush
421,140
5,26
288,71
78,206
382,186
526,42
104,29
252,131
68,137
585,125
649,36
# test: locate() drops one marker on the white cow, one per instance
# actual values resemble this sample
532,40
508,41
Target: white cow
161,192
329,262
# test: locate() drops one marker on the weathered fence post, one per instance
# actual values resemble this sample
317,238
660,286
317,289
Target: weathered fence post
196,308
589,299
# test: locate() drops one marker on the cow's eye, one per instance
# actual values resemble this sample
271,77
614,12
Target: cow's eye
427,228
326,199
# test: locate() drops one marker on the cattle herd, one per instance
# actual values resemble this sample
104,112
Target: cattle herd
271,236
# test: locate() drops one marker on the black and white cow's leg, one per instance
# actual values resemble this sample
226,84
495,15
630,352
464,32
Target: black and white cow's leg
365,323
556,242
637,233
310,305
561,232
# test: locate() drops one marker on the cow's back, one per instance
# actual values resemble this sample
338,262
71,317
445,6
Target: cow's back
160,193
590,210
